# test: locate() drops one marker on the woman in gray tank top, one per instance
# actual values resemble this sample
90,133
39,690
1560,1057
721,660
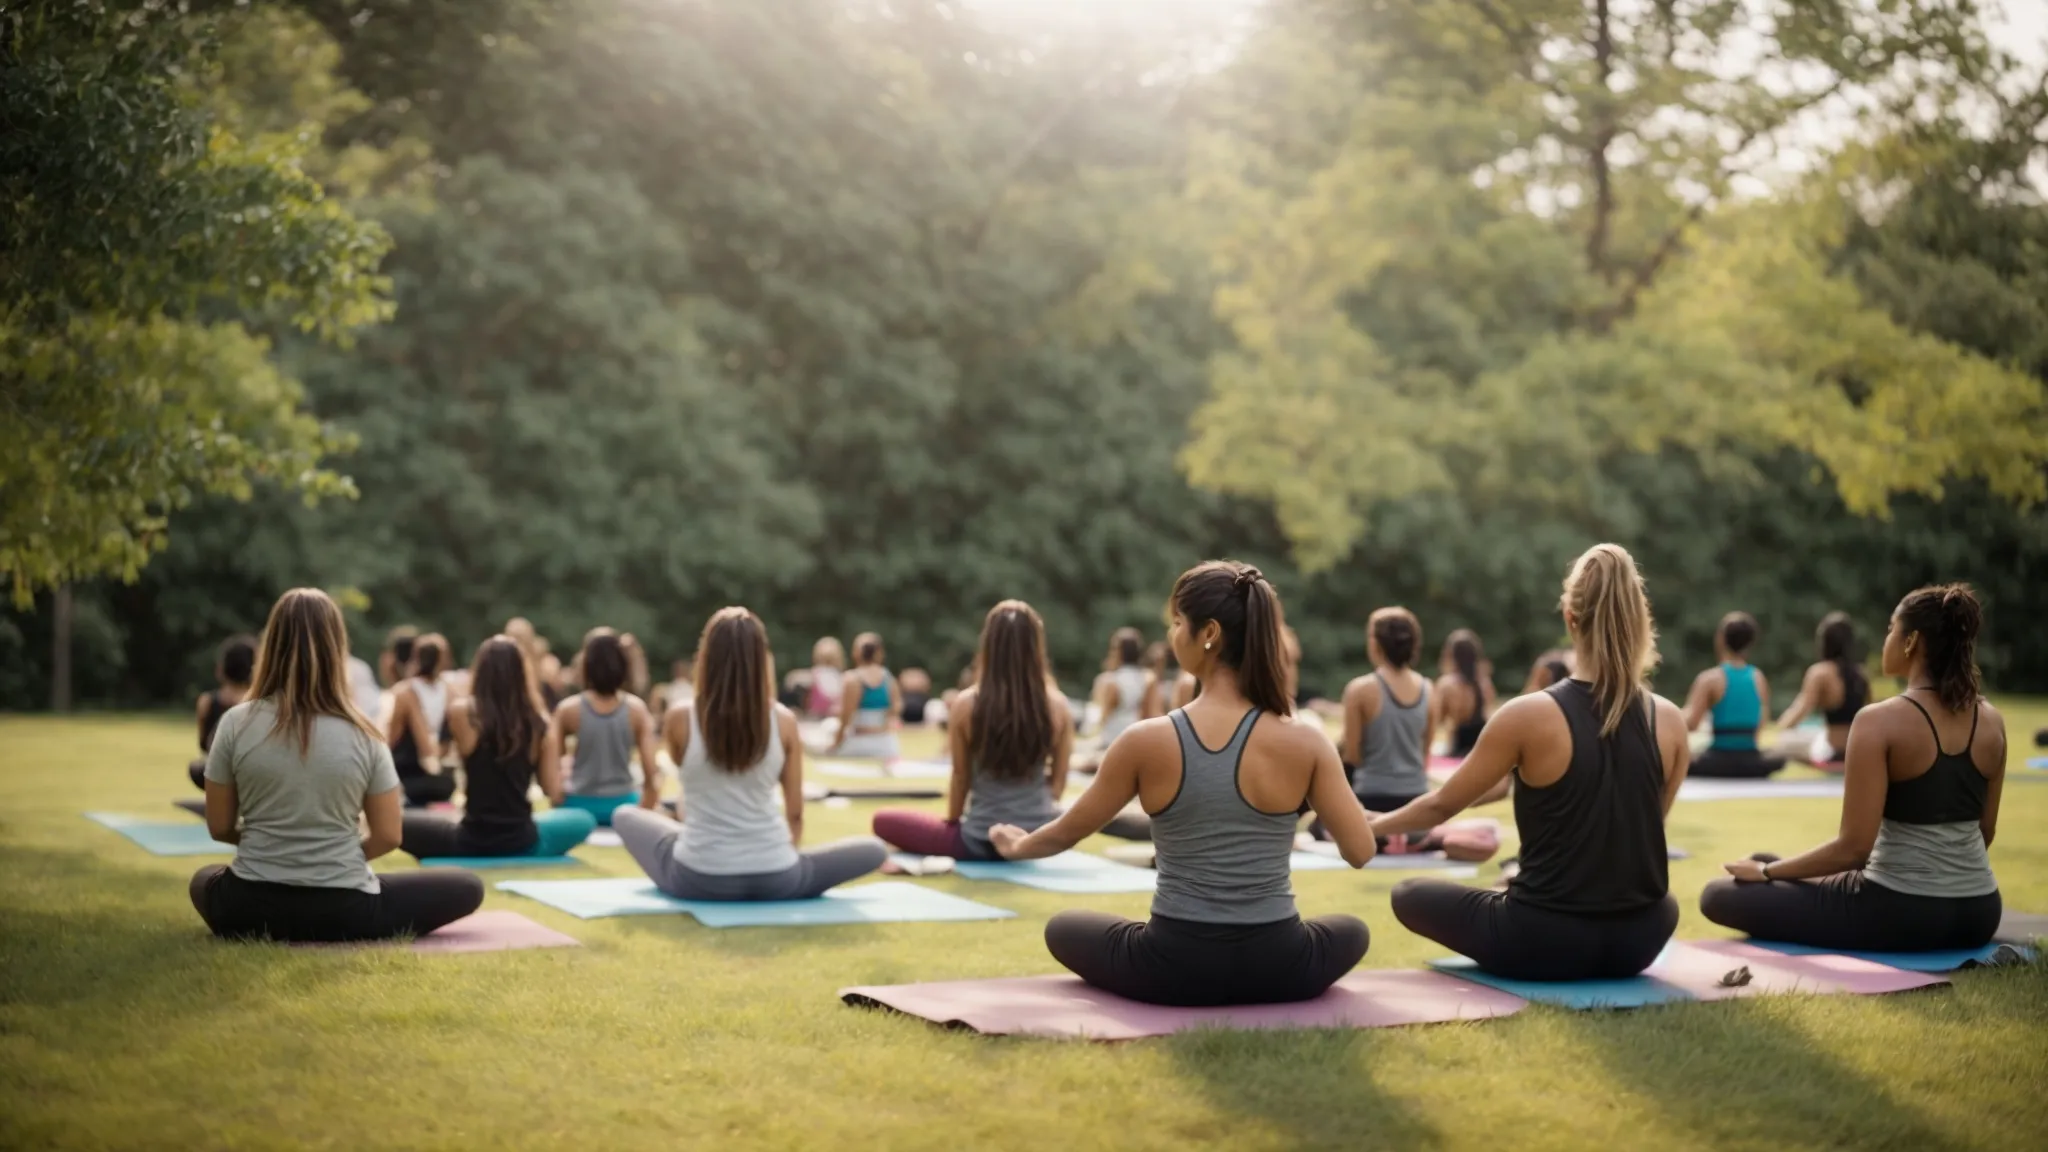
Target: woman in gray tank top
609,724
1224,780
1011,735
1909,870
742,767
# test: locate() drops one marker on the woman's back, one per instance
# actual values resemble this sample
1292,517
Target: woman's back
1739,712
1392,748
496,812
733,822
1021,798
1938,770
603,765
1593,834
1130,681
1224,815
299,809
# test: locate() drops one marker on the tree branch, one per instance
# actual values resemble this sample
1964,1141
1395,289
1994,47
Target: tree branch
1603,138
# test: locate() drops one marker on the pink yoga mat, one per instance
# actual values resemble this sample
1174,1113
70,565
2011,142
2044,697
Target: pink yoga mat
1064,1006
481,932
1699,965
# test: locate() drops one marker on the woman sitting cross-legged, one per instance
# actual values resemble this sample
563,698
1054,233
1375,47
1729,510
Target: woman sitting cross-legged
1224,780
237,663
501,731
1011,737
1597,762
291,771
742,768
1909,870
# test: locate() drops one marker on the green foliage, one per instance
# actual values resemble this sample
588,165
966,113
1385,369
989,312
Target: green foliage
139,231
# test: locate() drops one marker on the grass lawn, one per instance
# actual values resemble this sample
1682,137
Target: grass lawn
123,1025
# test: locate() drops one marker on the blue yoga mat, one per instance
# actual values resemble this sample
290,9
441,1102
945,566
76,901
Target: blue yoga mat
1070,872
474,862
1945,961
2040,762
163,837
884,902
1577,995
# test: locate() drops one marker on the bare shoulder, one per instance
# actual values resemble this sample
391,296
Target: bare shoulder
1062,712
785,719
1990,721
1708,676
1289,733
964,702
1668,713
1360,687
1531,708
1150,734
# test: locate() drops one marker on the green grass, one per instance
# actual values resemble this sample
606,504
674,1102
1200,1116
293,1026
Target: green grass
122,1025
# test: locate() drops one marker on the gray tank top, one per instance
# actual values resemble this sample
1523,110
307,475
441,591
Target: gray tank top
1027,803
1220,860
603,764
733,822
1390,755
1130,696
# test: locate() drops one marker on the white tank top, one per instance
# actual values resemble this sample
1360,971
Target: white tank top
733,822
433,698
1130,696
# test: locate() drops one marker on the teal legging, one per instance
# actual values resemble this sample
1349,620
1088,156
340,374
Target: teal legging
561,829
431,834
599,807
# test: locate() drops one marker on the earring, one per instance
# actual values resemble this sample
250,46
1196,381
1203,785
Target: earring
1207,645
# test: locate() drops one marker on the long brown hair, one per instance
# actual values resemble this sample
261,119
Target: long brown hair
302,666
1947,619
1247,610
510,718
1617,639
735,686
1012,734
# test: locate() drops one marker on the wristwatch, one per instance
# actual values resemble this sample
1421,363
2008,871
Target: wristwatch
1764,870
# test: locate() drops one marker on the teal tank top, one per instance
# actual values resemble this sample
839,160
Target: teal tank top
1740,711
875,697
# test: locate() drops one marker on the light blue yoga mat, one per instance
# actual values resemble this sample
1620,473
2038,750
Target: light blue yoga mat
1071,872
2039,762
163,837
1578,995
1945,961
884,902
476,862
1711,789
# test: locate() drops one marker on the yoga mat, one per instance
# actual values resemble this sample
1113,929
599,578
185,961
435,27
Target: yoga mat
2022,928
1067,1008
604,838
1070,872
195,806
1696,969
161,837
883,902
1578,995
1698,790
1947,960
2039,763
871,770
499,862
1328,859
479,932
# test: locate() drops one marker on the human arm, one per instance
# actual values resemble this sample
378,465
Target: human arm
1062,745
1361,705
1809,691
1153,703
1106,696
849,706
1669,725
223,806
383,814
1864,783
1700,699
1446,689
549,769
1994,786
462,725
1115,785
560,727
792,772
642,723
1331,798
1498,751
201,712
960,742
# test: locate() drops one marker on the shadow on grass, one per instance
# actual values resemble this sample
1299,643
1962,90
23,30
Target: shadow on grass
1317,1085
1736,1075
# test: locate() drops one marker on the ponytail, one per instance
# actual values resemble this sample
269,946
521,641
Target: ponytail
1947,619
1464,651
426,655
1611,622
1837,639
1247,611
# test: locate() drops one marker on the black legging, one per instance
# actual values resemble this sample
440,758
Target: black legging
1509,937
411,903
425,788
197,770
1735,764
1186,964
1848,910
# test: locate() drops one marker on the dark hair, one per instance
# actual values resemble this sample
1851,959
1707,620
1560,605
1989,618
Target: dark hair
735,686
510,719
400,641
1127,643
1947,619
1011,729
1464,651
238,658
427,652
867,648
1559,672
1248,613
1397,632
605,666
1737,632
1837,639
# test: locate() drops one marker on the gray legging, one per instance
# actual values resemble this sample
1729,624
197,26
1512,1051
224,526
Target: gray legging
651,839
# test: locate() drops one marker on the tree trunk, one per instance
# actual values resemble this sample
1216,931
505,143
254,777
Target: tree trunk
60,649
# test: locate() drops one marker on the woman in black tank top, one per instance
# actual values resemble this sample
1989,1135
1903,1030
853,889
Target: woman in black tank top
1596,764
233,670
1466,687
1909,871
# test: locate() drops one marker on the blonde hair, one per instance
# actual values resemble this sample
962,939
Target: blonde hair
828,652
1610,620
302,666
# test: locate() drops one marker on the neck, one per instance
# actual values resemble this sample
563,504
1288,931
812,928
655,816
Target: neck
1220,685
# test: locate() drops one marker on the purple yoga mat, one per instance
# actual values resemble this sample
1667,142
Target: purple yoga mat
1064,1006
481,932
1698,966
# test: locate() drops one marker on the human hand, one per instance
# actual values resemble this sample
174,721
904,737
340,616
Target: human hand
1748,871
1007,838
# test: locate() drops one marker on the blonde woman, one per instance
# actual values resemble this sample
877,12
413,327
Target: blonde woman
291,771
1597,761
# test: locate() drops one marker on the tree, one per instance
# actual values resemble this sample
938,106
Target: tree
141,235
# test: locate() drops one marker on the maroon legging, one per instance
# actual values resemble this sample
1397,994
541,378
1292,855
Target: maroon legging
922,833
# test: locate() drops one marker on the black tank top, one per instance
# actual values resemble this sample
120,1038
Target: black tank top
1594,841
1855,694
1465,736
496,816
215,709
1951,792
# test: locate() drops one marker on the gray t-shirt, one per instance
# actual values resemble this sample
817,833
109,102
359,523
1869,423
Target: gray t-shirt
299,812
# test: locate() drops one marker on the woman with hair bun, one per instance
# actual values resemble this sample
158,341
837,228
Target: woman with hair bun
1223,780
1909,870
870,705
1735,694
1465,690
1388,716
1837,688
1597,761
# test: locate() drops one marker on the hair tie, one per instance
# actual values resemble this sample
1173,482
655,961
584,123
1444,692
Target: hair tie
1246,577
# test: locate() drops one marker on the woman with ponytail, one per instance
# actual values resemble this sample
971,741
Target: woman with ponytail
1597,761
419,714
1011,737
1837,687
1223,780
1465,689
1909,869
291,772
